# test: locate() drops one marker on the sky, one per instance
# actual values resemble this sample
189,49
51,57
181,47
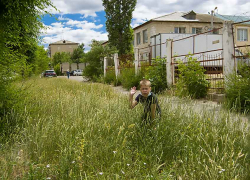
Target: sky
84,20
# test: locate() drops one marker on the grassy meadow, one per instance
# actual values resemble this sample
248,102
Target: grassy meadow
72,130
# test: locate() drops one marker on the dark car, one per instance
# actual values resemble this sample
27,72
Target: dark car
49,73
72,73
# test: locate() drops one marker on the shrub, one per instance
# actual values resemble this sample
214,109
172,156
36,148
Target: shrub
157,75
129,79
57,69
110,77
237,90
191,80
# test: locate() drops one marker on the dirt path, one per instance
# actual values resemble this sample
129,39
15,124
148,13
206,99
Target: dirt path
75,78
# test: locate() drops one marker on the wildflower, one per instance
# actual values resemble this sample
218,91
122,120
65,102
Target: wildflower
48,178
114,152
48,166
122,172
222,170
144,163
73,162
101,173
128,164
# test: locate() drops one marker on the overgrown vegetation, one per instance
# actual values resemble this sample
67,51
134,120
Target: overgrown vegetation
20,55
94,68
127,78
86,131
110,77
94,60
191,81
238,89
157,75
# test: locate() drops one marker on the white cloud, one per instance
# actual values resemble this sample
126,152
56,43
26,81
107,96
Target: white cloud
86,7
148,9
85,31
83,24
61,18
72,30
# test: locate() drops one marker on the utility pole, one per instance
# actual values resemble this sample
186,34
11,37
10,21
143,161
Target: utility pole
212,19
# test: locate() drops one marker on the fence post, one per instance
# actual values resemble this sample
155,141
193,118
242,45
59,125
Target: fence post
105,66
228,49
136,60
169,66
116,61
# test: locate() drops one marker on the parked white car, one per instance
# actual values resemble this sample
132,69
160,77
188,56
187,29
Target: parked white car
77,72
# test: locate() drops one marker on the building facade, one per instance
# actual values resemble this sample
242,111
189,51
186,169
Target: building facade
241,29
61,46
176,23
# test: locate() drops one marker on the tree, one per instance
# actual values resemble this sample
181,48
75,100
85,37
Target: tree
41,60
20,25
119,15
93,59
60,57
78,55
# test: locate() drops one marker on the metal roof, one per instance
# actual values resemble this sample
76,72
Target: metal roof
179,17
234,18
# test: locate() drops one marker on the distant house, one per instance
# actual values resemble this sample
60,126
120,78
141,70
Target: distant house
177,23
62,46
105,43
241,31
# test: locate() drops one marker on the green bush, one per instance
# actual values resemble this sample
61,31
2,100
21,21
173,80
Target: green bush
191,81
129,79
110,77
238,90
57,70
157,75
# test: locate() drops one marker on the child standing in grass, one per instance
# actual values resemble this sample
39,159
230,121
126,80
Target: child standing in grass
148,99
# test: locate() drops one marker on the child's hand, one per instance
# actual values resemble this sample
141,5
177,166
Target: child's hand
132,91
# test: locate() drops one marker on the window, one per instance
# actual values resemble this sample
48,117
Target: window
242,34
196,30
145,36
179,30
138,38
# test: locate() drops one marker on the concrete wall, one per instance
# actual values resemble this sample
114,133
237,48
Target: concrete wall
154,28
196,44
64,67
82,66
73,66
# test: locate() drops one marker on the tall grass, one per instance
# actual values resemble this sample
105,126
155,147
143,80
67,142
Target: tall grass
73,130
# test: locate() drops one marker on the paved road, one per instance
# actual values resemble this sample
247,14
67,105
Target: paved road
75,78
